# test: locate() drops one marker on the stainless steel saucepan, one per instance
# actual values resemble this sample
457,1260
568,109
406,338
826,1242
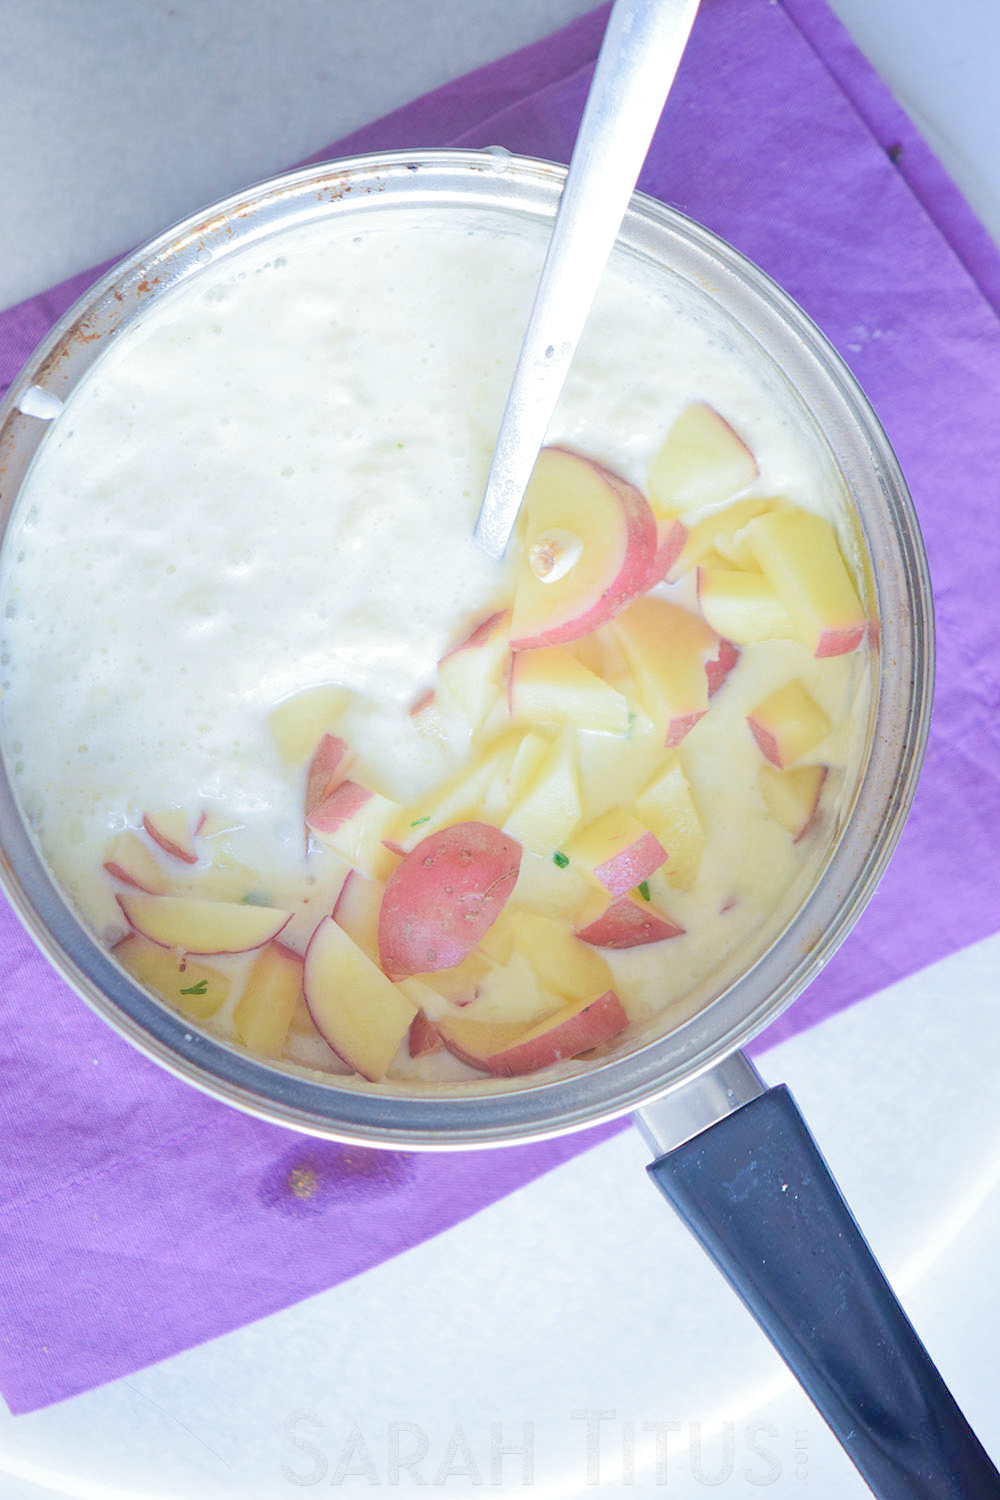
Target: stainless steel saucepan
733,1156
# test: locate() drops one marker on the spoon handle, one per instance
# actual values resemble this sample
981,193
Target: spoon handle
639,57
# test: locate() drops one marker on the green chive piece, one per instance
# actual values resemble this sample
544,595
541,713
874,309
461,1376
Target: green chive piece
643,889
562,860
196,989
256,898
417,821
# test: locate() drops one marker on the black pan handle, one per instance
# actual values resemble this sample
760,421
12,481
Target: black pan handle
756,1192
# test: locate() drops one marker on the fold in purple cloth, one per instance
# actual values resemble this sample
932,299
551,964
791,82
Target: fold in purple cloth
137,1217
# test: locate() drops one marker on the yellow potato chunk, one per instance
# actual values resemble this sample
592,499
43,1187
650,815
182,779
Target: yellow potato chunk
549,809
788,724
799,556
264,1011
194,989
668,808
298,723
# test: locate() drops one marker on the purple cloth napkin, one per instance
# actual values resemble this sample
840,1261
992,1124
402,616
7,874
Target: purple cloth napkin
137,1217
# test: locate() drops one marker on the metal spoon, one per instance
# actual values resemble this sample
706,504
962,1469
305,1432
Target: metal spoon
640,54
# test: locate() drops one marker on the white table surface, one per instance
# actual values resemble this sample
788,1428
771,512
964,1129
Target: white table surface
116,118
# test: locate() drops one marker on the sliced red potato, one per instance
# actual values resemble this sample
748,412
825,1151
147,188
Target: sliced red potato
508,1050
196,990
671,539
550,686
357,911
298,723
354,1007
499,943
443,896
194,926
601,653
170,827
419,990
497,799
549,809
128,860
628,922
427,719
617,850
354,821
666,648
472,673
667,807
213,825
718,667
799,555
743,607
588,542
702,462
715,534
301,1023
562,963
423,1036
462,799
607,780
787,724
528,759
264,1011
329,766
514,992
229,879
792,797
458,985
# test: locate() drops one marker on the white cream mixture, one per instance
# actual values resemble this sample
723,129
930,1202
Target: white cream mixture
271,481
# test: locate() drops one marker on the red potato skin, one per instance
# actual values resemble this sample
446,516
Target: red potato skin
444,896
479,637
327,769
626,923
840,642
768,744
167,845
671,538
423,1037
116,870
198,952
633,865
335,809
633,577
597,1022
353,909
679,728
810,820
719,668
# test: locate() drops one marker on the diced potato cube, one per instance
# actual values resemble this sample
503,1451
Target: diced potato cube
743,607
667,807
791,797
298,723
799,555
617,850
550,686
264,1011
702,462
193,988
549,809
788,724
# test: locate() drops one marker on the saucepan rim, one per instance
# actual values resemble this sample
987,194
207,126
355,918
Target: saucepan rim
902,678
